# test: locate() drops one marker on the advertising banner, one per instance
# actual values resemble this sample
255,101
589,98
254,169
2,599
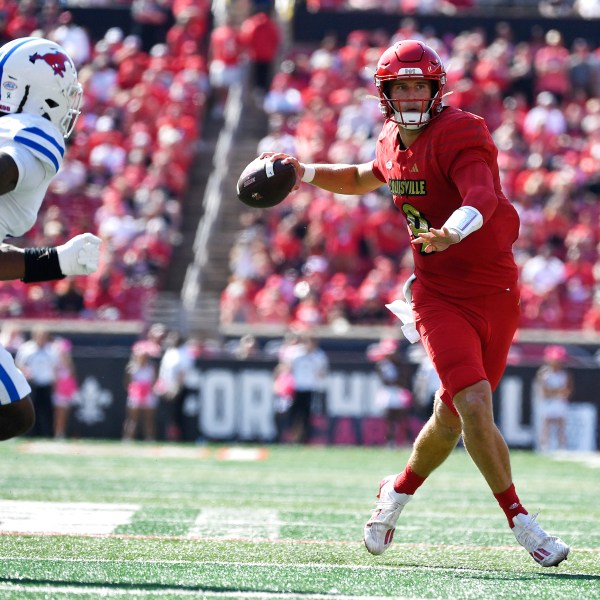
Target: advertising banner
234,401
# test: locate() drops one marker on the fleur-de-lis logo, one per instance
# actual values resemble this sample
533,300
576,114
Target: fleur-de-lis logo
92,401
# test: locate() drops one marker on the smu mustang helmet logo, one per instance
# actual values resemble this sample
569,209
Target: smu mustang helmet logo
56,60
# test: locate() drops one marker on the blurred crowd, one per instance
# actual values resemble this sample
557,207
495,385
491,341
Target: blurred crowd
316,259
127,164
319,259
587,9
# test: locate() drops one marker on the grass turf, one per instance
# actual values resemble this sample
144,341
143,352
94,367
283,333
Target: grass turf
191,523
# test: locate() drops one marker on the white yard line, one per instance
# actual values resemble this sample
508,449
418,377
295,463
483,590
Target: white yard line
224,523
75,518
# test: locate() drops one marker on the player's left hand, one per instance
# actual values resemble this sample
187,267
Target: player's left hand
436,240
80,255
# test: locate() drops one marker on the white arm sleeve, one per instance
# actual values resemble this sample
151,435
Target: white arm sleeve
464,221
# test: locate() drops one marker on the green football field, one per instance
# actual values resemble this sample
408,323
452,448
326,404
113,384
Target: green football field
111,520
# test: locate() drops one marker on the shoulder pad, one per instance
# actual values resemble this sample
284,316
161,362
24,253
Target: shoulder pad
37,134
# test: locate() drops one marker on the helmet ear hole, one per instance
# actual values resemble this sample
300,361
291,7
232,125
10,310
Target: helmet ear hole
51,103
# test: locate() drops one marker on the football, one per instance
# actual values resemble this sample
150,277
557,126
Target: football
263,183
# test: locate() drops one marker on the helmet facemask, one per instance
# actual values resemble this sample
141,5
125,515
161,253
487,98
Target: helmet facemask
61,107
410,119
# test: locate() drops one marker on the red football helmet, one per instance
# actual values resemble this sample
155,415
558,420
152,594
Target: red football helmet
410,59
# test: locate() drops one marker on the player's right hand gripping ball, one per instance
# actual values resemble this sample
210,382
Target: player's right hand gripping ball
263,183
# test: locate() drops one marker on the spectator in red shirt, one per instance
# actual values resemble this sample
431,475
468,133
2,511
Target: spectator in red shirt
261,36
225,52
24,20
308,313
132,61
591,319
382,229
551,65
271,306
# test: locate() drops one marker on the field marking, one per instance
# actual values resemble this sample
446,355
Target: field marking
124,450
63,518
225,524
218,524
207,540
588,459
107,592
242,454
68,448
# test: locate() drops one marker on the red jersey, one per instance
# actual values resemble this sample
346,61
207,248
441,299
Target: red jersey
453,162
261,36
225,45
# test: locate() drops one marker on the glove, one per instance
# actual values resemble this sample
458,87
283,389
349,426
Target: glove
80,255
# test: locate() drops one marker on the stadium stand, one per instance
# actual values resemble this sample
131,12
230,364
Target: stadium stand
128,167
144,153
321,260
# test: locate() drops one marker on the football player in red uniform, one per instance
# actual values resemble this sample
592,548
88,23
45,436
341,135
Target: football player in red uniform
440,163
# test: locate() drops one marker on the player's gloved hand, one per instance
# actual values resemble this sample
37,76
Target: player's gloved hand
80,255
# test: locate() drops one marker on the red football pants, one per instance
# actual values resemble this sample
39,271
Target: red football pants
467,339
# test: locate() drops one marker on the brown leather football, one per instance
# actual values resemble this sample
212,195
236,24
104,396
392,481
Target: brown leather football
264,183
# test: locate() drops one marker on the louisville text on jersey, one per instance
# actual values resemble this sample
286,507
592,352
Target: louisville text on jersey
408,187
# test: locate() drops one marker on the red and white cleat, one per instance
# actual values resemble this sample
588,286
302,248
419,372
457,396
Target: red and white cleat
546,550
379,529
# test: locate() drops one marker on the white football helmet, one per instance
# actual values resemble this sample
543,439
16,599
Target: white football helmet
38,77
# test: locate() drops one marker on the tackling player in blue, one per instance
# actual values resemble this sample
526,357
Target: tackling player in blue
40,100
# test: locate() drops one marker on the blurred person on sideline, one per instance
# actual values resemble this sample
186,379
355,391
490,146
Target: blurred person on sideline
65,386
440,164
11,337
40,101
555,388
425,384
170,388
247,347
37,361
140,376
283,397
309,367
394,396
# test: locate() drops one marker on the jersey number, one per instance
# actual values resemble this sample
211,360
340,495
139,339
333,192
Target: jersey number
417,223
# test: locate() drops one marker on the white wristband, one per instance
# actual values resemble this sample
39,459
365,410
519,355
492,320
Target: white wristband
309,173
464,221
